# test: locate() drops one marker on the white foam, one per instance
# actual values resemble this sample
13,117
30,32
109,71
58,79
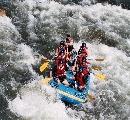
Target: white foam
38,102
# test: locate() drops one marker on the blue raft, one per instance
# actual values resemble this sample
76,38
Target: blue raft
69,94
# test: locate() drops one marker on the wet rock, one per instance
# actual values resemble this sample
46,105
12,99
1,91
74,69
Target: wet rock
2,12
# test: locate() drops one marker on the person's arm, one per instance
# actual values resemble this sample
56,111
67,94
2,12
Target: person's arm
51,73
56,53
71,41
54,69
67,51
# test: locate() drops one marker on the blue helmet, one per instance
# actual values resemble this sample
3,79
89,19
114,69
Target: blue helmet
62,42
80,51
83,44
80,68
83,59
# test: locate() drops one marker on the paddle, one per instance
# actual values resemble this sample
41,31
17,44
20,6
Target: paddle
97,59
90,97
46,80
96,68
99,76
42,68
45,60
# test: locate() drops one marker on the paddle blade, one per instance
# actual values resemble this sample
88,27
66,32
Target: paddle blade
44,60
96,68
43,67
46,80
99,59
90,97
100,76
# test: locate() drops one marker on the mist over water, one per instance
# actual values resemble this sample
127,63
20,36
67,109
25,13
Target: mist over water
34,30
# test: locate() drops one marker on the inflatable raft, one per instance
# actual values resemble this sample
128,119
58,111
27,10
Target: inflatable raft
68,93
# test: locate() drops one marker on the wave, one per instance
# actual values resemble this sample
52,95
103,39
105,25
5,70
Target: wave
95,23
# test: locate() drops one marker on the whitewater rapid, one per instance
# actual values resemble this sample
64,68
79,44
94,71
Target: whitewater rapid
106,31
36,101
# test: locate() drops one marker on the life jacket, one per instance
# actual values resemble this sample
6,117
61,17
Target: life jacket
63,58
60,48
79,60
56,61
87,62
79,78
84,51
59,70
85,70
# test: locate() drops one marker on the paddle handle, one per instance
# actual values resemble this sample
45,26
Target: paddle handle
97,59
89,59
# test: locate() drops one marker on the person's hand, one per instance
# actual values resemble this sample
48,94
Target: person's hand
67,58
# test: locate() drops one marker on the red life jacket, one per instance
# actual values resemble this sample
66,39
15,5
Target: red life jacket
84,51
60,71
63,59
85,71
87,62
60,48
56,61
79,78
79,60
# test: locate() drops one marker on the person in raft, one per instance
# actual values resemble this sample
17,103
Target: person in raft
69,44
84,49
79,79
59,73
60,48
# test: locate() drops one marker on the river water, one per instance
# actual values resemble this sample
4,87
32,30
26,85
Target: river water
33,29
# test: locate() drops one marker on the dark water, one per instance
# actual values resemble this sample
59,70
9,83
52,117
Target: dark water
123,3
